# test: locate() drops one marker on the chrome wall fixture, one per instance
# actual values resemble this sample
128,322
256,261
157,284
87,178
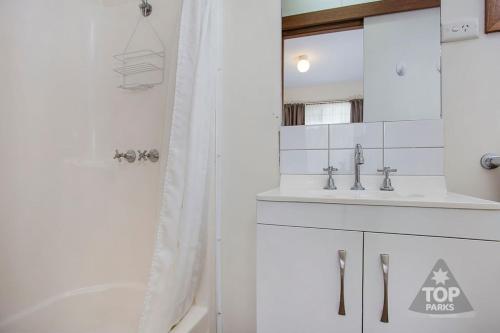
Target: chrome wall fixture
490,161
153,155
387,184
146,8
130,156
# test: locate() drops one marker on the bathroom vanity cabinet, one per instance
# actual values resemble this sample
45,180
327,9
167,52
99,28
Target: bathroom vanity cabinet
298,268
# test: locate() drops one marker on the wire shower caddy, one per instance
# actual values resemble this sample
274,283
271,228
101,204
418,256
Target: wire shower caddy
142,68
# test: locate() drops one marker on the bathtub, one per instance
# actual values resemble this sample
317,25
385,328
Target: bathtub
109,308
196,321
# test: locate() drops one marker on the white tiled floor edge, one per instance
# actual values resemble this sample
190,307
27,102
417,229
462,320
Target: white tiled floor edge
412,147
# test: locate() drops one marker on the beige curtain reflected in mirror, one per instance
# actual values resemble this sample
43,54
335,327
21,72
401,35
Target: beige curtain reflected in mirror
356,111
294,114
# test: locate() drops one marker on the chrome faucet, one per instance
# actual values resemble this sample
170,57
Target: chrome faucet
330,185
387,184
358,161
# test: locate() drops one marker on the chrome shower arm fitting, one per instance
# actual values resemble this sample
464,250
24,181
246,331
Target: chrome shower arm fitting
146,8
490,161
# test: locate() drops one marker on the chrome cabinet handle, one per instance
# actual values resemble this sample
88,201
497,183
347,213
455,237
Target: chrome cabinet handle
384,260
342,257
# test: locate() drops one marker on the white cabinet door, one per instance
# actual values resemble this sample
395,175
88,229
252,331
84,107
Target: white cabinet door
298,280
435,285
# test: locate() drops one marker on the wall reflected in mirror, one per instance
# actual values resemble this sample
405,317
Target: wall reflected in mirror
387,71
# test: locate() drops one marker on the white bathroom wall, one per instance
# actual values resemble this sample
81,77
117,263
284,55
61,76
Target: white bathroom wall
76,227
292,7
251,118
326,92
471,103
410,40
470,70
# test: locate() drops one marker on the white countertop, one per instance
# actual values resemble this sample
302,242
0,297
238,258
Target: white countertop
379,198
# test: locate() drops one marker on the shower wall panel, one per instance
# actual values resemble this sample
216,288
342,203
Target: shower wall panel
77,227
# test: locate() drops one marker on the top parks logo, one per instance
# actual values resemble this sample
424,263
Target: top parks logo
441,295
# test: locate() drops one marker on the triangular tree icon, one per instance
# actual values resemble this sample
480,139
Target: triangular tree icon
441,294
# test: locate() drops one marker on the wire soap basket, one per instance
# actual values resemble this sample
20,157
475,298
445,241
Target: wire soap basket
142,62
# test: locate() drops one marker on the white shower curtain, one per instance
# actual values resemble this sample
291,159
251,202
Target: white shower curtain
181,238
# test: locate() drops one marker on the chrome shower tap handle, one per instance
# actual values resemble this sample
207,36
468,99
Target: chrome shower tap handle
143,155
130,156
118,156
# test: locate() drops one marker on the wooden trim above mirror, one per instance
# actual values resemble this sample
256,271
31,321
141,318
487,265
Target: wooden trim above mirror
492,21
347,18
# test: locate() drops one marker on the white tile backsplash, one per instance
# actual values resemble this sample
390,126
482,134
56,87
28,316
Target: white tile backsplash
416,161
343,159
412,134
303,162
412,147
304,137
369,135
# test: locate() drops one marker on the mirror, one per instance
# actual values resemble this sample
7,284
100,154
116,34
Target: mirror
386,70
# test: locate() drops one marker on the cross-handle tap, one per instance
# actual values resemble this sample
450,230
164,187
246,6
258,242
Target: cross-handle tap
330,185
153,155
118,156
130,156
387,184
358,161
143,155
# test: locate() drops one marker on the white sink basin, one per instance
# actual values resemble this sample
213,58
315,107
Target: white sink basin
379,198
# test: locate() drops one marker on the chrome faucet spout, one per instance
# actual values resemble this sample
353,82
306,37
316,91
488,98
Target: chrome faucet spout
358,161
358,155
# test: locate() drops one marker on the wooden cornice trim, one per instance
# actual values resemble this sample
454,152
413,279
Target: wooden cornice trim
353,13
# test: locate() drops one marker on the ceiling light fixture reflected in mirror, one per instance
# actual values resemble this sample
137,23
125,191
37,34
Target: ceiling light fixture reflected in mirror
303,64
